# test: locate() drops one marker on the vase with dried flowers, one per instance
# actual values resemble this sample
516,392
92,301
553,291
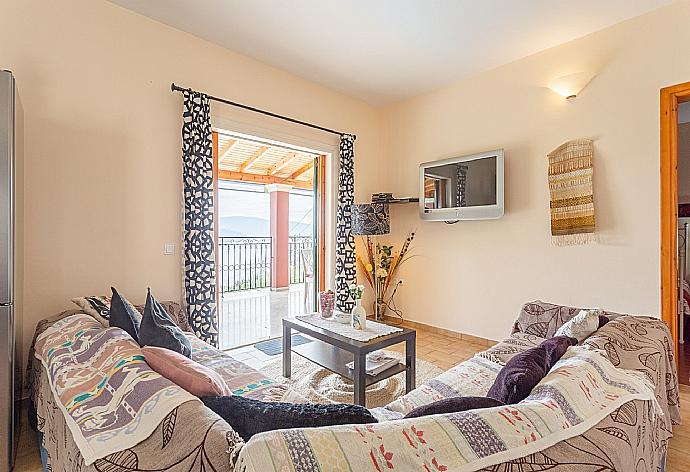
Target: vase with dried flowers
380,264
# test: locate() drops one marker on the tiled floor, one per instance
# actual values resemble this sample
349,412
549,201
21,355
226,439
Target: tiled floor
249,316
445,352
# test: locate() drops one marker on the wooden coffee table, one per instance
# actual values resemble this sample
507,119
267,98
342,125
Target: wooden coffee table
333,351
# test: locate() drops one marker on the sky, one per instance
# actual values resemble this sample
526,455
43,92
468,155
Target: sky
249,200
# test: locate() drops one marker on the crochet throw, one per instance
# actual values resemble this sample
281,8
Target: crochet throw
572,196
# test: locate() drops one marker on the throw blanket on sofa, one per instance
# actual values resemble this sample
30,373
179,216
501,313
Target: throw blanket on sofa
581,390
472,378
111,399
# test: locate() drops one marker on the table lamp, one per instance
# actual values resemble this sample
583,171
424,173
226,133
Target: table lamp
371,219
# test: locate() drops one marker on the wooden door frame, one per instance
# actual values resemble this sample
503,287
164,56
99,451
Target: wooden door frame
321,188
670,97
216,223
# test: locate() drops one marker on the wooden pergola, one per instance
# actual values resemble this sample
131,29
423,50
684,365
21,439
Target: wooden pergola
253,161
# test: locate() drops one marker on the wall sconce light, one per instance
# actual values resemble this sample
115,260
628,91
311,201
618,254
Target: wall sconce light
570,85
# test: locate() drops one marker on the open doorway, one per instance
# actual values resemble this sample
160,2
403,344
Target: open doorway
675,220
267,235
683,142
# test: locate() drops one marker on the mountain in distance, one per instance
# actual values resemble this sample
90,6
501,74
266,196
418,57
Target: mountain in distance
250,226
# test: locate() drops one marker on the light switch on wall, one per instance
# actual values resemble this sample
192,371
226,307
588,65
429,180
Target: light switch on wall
169,249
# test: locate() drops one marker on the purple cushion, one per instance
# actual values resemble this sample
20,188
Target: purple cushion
453,405
602,321
519,376
555,348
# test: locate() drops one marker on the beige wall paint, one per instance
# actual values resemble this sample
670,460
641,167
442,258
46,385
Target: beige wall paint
473,277
684,163
103,167
102,135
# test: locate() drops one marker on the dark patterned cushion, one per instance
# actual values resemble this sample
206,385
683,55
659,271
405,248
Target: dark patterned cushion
519,376
123,315
249,417
158,329
454,405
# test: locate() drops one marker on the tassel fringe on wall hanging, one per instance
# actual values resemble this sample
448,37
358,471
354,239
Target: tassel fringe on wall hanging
572,195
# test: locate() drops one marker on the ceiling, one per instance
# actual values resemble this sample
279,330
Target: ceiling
387,50
255,161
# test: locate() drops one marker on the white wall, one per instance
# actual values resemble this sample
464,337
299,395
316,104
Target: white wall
473,277
103,141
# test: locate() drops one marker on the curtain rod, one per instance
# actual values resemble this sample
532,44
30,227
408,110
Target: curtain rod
176,88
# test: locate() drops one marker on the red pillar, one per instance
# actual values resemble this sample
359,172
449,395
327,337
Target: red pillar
280,227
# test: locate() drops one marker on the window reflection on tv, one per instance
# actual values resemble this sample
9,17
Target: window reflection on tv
461,184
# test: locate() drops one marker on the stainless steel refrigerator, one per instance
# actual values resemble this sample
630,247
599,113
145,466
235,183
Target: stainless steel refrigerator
10,324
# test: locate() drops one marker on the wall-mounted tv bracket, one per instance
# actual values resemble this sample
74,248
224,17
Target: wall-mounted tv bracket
388,198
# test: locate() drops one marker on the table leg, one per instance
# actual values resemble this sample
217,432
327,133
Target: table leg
287,351
410,362
360,381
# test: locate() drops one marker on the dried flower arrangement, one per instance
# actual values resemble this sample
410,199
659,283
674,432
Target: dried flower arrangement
386,262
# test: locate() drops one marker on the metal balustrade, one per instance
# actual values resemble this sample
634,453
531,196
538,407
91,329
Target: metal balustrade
295,246
245,263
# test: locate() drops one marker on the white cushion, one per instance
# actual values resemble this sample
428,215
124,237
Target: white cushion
581,326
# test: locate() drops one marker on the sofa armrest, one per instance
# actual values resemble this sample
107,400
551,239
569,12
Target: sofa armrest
543,319
643,344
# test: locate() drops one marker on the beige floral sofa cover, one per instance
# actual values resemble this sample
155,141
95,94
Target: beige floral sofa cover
194,438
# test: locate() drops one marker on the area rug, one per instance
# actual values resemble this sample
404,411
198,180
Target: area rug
273,347
319,385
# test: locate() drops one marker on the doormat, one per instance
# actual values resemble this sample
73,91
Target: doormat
273,347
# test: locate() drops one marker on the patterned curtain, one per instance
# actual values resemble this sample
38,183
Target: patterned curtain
345,262
198,244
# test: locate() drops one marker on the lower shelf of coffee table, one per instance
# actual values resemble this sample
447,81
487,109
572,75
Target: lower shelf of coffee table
336,360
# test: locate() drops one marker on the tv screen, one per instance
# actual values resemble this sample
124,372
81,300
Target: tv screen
469,187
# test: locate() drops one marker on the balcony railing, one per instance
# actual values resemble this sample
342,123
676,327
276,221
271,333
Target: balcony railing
244,263
296,245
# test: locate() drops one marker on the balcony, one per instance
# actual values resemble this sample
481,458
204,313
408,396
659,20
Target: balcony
249,310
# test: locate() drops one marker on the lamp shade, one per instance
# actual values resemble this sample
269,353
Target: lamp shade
370,219
569,86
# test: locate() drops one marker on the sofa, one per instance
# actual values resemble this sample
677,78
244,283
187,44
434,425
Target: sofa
192,437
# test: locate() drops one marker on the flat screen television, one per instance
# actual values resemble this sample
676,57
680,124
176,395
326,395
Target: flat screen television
462,188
